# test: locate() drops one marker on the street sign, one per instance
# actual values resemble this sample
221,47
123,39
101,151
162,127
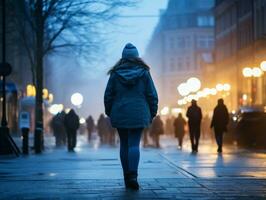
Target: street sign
24,120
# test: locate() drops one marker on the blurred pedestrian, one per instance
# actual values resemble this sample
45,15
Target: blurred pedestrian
179,127
145,137
57,124
205,128
131,102
102,128
169,126
156,130
111,132
71,124
63,129
219,122
90,127
194,115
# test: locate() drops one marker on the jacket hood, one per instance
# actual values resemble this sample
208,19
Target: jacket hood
129,74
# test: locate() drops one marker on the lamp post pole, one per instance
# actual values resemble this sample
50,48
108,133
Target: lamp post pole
253,90
263,68
3,121
7,145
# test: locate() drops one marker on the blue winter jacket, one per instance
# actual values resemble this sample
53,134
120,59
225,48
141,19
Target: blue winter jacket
130,97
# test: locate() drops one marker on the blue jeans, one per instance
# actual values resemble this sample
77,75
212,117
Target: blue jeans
129,148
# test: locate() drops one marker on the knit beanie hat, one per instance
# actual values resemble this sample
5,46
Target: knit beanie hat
130,51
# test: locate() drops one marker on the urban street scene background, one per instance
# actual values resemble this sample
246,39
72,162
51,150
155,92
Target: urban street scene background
207,62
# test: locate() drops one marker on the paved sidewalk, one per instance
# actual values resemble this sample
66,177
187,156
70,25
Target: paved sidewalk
168,173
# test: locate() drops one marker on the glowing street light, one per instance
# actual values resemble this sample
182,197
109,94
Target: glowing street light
213,91
50,98
256,72
247,72
82,120
183,89
176,111
165,110
219,87
206,91
226,87
76,99
180,102
56,108
193,84
263,66
200,94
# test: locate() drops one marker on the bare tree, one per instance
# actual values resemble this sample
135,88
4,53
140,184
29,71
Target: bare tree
45,26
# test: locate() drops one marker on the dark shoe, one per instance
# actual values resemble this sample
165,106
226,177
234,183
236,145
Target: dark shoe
220,150
126,176
131,181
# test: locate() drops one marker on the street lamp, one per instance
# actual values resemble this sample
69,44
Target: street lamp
247,72
7,145
165,110
226,87
183,89
263,68
252,73
194,84
219,87
77,99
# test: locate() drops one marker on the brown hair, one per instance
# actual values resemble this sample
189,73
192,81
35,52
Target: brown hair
130,61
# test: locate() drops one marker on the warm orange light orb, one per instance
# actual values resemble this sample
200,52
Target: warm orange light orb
263,66
256,72
247,72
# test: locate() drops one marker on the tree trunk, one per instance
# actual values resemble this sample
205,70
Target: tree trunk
38,137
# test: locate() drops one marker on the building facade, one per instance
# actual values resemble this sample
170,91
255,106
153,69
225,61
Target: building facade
240,43
185,33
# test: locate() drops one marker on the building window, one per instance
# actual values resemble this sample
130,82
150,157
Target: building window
180,63
205,42
205,21
171,43
181,43
172,64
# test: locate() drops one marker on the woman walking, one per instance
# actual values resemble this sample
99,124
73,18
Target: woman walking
131,102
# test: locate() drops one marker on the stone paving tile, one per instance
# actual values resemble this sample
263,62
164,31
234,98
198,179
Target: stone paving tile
164,174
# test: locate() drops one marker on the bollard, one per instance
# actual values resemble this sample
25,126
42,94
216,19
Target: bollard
38,140
25,140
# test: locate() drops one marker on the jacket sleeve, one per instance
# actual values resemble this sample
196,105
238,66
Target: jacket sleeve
200,113
212,122
109,95
227,117
188,113
151,95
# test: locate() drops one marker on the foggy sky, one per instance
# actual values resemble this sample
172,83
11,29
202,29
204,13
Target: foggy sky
91,80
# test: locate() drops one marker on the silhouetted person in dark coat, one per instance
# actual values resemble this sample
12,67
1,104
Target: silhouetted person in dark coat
57,124
169,129
110,137
179,126
102,128
156,130
219,122
194,115
71,125
90,127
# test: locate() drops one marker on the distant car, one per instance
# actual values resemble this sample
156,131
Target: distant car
230,137
251,127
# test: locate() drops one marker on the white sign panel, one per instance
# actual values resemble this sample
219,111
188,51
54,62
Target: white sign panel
24,120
